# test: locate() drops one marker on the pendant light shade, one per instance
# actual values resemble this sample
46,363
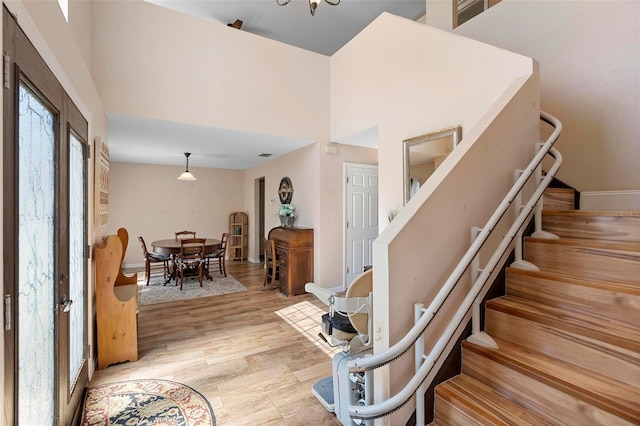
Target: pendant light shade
187,175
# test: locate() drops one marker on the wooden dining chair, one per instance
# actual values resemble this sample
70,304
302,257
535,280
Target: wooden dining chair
155,258
271,264
219,255
191,258
185,234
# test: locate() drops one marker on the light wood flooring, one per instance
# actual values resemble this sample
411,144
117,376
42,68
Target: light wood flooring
254,355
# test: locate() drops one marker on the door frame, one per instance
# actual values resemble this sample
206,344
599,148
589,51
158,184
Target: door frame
28,65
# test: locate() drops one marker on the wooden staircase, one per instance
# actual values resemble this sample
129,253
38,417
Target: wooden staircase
568,335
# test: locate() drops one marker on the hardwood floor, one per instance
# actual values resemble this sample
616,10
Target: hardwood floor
254,355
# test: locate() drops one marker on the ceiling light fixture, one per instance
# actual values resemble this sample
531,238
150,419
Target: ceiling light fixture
313,4
187,175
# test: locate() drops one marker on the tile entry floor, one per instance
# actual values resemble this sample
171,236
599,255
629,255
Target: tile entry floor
254,355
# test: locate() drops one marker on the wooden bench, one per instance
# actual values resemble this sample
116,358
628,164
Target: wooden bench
116,307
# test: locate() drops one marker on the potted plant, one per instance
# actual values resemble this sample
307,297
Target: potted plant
287,214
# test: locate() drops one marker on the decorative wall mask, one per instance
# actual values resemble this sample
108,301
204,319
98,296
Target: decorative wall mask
285,190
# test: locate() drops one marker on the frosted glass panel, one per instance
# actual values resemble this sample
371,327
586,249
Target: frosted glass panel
76,259
35,261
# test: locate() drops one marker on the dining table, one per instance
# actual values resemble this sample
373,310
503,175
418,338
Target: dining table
172,247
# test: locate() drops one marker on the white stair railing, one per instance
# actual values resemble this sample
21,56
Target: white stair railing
425,363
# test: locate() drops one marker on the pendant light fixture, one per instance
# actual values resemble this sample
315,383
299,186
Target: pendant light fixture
187,175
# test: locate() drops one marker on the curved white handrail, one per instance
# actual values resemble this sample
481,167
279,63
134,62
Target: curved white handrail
388,406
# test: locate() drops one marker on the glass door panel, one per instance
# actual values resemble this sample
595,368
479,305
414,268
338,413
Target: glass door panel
36,220
77,261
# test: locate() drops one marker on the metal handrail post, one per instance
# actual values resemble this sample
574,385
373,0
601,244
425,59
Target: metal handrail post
478,336
519,261
539,232
418,309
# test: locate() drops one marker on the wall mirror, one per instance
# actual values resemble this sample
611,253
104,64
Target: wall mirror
423,154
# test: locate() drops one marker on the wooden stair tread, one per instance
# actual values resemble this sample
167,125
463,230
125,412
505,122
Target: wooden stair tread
608,261
619,300
610,395
595,213
476,399
618,287
560,190
633,246
593,224
608,330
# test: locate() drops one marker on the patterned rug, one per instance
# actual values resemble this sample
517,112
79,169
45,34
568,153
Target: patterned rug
146,403
157,292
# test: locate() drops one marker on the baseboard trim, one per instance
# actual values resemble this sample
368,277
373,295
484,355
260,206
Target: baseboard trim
133,266
610,200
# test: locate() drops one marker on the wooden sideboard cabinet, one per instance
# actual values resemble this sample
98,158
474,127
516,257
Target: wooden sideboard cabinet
294,248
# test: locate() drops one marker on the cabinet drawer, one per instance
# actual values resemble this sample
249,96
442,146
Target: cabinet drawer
283,256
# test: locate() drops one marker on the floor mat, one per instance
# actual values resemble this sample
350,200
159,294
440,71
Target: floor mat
146,402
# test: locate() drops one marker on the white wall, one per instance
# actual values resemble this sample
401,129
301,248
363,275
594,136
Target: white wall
420,80
80,24
154,62
150,201
301,166
589,56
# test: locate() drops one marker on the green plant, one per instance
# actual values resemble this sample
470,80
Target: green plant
287,210
393,212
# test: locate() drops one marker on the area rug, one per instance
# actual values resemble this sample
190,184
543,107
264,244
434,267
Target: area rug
158,292
146,403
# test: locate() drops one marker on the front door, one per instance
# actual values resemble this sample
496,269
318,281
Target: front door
45,240
361,218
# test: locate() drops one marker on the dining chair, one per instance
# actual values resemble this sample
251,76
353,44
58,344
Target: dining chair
185,234
154,258
271,263
219,255
191,258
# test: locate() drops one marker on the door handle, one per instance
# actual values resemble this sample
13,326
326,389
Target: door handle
7,312
65,305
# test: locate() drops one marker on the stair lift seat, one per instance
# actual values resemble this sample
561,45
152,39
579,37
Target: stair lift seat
338,326
348,321
347,326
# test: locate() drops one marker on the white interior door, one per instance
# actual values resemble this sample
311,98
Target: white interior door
361,218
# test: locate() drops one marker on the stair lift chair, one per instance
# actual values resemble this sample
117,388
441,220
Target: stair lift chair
346,325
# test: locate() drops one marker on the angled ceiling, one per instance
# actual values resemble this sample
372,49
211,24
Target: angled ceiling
147,141
326,32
